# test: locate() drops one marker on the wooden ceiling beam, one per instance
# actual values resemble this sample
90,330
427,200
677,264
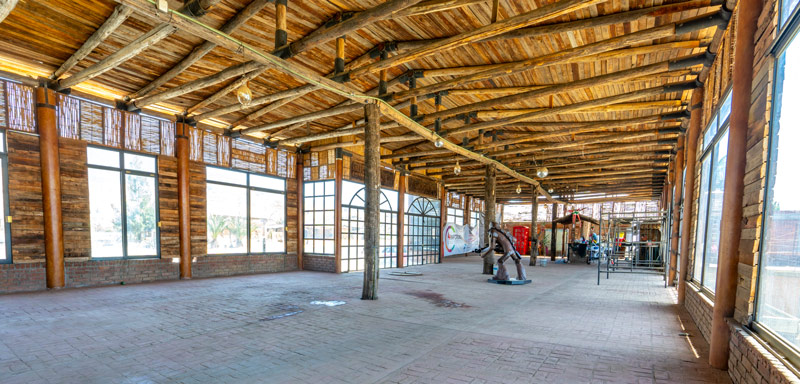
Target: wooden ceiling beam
644,35
108,27
537,15
346,108
595,139
432,6
201,50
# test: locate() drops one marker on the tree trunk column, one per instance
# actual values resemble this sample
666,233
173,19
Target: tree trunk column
695,125
184,215
51,186
300,211
553,231
489,215
372,191
731,227
442,220
401,217
676,211
281,36
534,224
337,212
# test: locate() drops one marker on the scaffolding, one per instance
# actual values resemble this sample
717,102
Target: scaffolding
628,242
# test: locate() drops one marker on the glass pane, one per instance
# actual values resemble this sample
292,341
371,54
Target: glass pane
104,157
715,212
778,305
3,240
725,109
267,182
2,141
140,163
226,176
226,215
702,210
787,6
140,211
105,217
267,222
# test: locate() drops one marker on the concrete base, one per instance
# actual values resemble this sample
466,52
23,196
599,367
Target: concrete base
509,282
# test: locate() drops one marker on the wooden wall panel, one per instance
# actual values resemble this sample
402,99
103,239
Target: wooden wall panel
75,199
291,216
168,205
197,193
25,198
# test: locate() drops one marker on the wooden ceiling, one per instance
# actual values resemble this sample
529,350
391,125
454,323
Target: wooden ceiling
597,94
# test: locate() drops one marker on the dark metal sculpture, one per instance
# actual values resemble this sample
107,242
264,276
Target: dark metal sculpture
498,237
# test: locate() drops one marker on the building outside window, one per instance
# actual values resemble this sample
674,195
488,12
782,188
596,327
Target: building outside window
318,207
123,202
246,212
712,187
5,228
777,314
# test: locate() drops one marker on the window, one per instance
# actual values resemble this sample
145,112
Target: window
712,187
353,227
123,203
475,219
778,299
5,229
318,206
455,216
246,213
787,7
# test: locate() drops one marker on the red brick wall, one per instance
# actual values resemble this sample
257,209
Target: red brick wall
751,362
223,265
319,263
700,308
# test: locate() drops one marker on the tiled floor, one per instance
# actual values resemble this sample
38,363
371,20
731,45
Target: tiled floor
448,325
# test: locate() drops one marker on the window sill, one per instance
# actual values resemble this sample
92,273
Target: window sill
774,347
705,294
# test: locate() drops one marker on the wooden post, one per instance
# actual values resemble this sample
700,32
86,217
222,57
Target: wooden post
51,186
489,214
383,85
281,36
337,212
467,210
442,220
372,192
338,63
534,224
731,227
184,213
695,126
300,211
553,231
401,215
676,212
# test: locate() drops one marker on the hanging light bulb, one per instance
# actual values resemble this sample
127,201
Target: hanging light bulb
457,169
519,189
244,95
438,143
542,172
550,190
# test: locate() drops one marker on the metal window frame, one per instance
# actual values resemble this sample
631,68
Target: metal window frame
383,226
123,200
248,189
415,225
324,223
6,204
787,353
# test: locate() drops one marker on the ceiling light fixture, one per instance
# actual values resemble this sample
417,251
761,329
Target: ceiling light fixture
457,169
438,143
519,189
244,95
542,172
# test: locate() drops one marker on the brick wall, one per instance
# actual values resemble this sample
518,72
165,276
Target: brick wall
22,277
108,272
229,265
751,362
700,307
319,263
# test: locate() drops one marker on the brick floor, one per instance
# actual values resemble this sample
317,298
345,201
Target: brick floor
447,326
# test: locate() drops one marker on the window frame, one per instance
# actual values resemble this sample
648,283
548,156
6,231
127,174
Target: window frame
709,150
6,204
248,189
123,200
455,215
312,184
787,353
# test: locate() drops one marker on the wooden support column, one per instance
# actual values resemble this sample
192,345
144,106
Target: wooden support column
338,63
184,213
534,234
442,220
300,211
372,192
553,231
401,225
489,214
337,212
412,84
731,222
51,186
695,126
383,85
281,36
676,212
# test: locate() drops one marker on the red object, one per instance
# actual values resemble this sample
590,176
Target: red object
521,235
